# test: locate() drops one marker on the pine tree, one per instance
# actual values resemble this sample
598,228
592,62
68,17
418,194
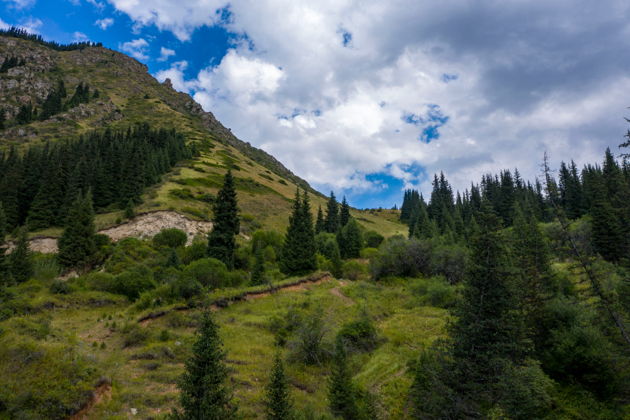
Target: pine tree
77,244
332,214
129,210
278,405
20,260
487,329
350,240
42,212
344,214
342,396
531,257
320,224
298,252
607,231
258,272
204,389
221,241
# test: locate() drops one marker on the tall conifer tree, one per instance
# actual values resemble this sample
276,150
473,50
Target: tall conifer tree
320,224
221,241
298,252
344,213
77,244
342,396
332,214
20,260
487,329
205,394
278,405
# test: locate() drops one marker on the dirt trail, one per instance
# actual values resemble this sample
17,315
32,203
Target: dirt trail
142,226
298,285
103,392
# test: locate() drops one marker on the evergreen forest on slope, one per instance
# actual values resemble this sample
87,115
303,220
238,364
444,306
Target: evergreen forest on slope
509,300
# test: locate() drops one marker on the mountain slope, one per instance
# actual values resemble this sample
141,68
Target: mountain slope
128,94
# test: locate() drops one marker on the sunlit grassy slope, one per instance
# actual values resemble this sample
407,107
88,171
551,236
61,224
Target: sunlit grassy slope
143,361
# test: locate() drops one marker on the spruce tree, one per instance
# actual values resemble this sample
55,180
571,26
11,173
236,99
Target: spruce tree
342,396
607,231
205,394
129,210
42,212
487,330
531,257
350,240
278,405
320,224
20,260
332,214
222,241
344,213
298,251
77,244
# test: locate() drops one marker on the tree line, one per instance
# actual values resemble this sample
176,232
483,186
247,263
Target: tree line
600,191
15,32
37,187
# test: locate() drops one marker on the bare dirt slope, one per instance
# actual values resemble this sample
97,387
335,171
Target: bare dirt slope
142,226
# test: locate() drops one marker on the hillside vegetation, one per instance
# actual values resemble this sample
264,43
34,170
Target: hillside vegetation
510,300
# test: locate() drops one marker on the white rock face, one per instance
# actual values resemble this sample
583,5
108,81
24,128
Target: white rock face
143,226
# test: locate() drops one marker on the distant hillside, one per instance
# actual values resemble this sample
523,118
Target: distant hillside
119,93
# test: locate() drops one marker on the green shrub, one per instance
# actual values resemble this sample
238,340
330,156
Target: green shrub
133,282
368,252
196,251
185,287
354,270
45,267
359,335
100,281
373,239
60,287
53,380
210,272
434,291
171,238
134,335
309,343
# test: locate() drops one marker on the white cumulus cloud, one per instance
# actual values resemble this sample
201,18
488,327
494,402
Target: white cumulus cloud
136,48
338,89
165,53
104,23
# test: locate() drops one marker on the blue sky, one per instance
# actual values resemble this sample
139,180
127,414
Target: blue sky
368,98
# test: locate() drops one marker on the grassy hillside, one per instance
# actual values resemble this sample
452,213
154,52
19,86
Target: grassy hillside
129,95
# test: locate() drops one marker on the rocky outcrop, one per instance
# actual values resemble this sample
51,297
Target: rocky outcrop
143,226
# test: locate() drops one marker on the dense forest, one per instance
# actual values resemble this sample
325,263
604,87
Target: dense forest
38,186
